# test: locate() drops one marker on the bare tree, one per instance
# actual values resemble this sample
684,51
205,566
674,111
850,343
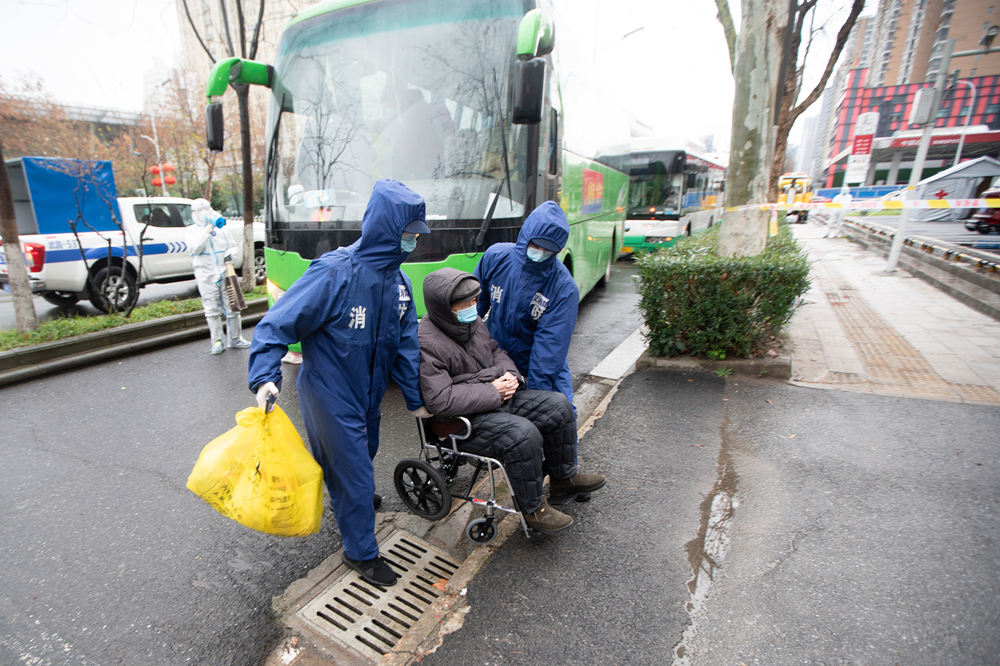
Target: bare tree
246,49
768,73
17,271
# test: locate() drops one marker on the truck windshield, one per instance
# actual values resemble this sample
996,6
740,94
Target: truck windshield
414,92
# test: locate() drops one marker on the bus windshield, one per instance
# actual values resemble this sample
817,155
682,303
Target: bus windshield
373,91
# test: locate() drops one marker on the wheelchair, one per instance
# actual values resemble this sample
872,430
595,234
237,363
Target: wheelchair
428,484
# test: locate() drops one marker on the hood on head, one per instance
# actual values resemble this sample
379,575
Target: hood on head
439,287
547,222
392,207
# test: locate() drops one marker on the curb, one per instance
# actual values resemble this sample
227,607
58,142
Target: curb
24,363
779,367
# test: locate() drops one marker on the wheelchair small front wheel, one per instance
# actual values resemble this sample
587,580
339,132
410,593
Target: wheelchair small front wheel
422,488
481,530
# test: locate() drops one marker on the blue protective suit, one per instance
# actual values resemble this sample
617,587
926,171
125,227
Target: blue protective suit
352,310
532,305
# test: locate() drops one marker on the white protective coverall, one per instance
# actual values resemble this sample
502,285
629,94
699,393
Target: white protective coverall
836,219
209,242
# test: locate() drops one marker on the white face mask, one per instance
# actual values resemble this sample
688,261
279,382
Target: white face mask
538,254
408,243
467,315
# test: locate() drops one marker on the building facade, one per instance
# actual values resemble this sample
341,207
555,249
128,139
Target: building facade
889,58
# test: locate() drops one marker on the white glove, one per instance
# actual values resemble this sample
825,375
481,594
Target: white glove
421,412
263,391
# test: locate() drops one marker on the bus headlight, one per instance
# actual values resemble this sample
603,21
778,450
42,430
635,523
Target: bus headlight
274,291
659,239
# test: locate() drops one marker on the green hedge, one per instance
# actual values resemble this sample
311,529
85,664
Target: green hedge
698,303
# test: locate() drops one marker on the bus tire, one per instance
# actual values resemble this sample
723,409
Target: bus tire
606,278
109,284
61,298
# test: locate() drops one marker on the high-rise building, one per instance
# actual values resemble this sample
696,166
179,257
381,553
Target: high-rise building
909,37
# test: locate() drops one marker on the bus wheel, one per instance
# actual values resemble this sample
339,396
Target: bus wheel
606,278
111,291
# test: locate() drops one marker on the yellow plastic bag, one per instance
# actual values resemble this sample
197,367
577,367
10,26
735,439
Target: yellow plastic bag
261,475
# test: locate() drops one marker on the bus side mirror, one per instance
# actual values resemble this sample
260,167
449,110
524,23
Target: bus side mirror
529,89
214,127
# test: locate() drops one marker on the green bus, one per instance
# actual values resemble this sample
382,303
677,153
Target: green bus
458,100
672,194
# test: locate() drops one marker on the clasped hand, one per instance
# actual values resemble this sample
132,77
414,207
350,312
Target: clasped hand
506,386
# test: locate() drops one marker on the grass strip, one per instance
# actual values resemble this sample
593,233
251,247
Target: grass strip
61,328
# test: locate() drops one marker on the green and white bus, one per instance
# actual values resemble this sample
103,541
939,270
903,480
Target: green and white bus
672,194
458,100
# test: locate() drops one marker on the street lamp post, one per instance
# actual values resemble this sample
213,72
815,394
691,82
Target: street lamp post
968,117
156,145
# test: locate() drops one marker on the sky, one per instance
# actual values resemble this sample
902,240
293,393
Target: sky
664,63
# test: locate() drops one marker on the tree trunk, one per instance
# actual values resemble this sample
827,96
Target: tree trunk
243,97
17,271
756,65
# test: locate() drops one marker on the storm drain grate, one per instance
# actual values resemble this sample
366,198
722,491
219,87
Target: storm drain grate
371,619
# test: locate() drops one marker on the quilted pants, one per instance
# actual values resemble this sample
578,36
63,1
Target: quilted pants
532,434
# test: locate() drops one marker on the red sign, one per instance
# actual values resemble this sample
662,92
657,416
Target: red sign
946,139
862,145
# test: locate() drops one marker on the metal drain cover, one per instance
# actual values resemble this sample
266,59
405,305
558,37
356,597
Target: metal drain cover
371,619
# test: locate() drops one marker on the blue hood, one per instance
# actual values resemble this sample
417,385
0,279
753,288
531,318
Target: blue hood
547,221
391,207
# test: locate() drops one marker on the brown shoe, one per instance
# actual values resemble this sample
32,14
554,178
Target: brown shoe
578,487
547,519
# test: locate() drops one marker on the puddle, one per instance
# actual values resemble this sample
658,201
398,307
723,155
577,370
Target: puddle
707,551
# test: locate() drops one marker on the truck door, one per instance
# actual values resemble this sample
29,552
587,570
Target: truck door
165,251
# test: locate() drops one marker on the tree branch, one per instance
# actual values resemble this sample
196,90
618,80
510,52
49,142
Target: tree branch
242,29
197,35
838,47
225,22
256,31
726,19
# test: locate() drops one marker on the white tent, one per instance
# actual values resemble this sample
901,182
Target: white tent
965,180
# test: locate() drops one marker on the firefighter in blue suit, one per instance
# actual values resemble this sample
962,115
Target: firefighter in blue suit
353,312
532,299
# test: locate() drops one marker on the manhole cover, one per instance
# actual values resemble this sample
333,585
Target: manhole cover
371,619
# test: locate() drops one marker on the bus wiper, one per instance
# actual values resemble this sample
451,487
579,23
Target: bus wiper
504,176
271,183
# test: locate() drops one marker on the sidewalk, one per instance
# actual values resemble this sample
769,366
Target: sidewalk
863,329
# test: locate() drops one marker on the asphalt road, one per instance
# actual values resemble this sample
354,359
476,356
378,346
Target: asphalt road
106,557
756,522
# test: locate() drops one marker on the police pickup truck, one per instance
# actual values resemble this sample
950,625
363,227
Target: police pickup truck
82,241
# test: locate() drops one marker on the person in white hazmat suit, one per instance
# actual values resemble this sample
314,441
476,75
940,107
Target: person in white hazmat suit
836,219
209,242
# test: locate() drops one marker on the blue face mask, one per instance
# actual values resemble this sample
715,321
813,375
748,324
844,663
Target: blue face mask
467,315
537,254
408,243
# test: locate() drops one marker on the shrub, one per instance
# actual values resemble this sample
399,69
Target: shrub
696,302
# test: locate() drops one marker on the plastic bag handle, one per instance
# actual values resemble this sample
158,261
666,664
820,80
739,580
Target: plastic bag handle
269,404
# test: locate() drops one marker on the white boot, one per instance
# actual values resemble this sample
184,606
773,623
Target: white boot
215,331
235,325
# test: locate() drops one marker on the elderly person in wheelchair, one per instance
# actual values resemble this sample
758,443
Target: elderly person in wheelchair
463,372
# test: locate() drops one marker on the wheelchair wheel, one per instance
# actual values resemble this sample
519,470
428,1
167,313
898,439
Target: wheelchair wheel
481,530
422,489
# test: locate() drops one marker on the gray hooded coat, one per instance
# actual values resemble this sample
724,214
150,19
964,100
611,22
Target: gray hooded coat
457,361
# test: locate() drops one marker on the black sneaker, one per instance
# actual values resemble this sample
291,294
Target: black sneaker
377,500
376,571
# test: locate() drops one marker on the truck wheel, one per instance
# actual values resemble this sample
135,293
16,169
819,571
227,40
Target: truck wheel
110,286
61,298
259,266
